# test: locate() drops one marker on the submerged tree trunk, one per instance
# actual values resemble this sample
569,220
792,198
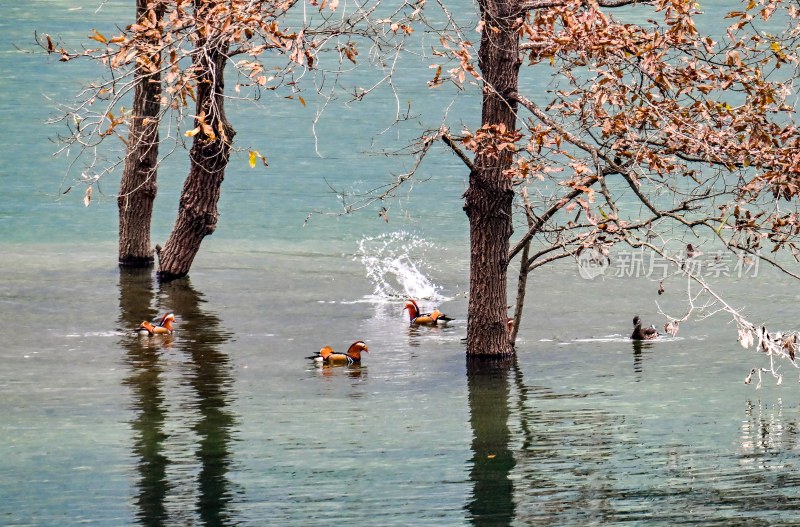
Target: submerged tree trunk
138,187
489,197
197,211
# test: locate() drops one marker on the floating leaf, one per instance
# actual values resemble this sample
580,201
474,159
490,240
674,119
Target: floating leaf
253,156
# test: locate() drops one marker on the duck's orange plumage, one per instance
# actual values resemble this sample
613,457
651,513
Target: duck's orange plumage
353,355
425,319
164,326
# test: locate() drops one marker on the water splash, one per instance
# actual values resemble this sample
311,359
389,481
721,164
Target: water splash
396,265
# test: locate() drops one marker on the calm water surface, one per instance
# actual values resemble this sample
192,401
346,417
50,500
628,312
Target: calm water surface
227,423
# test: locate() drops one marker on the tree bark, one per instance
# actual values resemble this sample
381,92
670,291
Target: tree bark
138,187
197,210
489,197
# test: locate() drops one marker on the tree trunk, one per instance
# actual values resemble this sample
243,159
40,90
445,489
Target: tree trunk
489,197
138,187
197,210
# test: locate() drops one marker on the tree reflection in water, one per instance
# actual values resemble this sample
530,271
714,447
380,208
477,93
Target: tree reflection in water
766,431
492,500
542,456
136,294
201,365
554,468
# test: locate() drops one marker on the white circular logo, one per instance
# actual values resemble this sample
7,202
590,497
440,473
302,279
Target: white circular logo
592,263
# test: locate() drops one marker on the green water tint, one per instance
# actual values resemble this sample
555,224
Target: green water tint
227,423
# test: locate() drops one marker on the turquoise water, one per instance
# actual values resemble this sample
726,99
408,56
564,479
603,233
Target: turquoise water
227,422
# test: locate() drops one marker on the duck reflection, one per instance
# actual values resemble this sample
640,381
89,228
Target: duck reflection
492,500
418,335
354,371
201,366
641,348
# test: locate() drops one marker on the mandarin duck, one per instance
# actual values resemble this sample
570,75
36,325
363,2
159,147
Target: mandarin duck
640,333
163,327
353,355
424,319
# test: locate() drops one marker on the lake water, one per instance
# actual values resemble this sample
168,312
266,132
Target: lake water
227,423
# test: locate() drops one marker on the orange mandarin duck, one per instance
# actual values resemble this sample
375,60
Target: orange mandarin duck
353,356
163,327
424,319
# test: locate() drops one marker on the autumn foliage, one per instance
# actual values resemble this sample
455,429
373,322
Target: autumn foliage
185,47
650,123
659,125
